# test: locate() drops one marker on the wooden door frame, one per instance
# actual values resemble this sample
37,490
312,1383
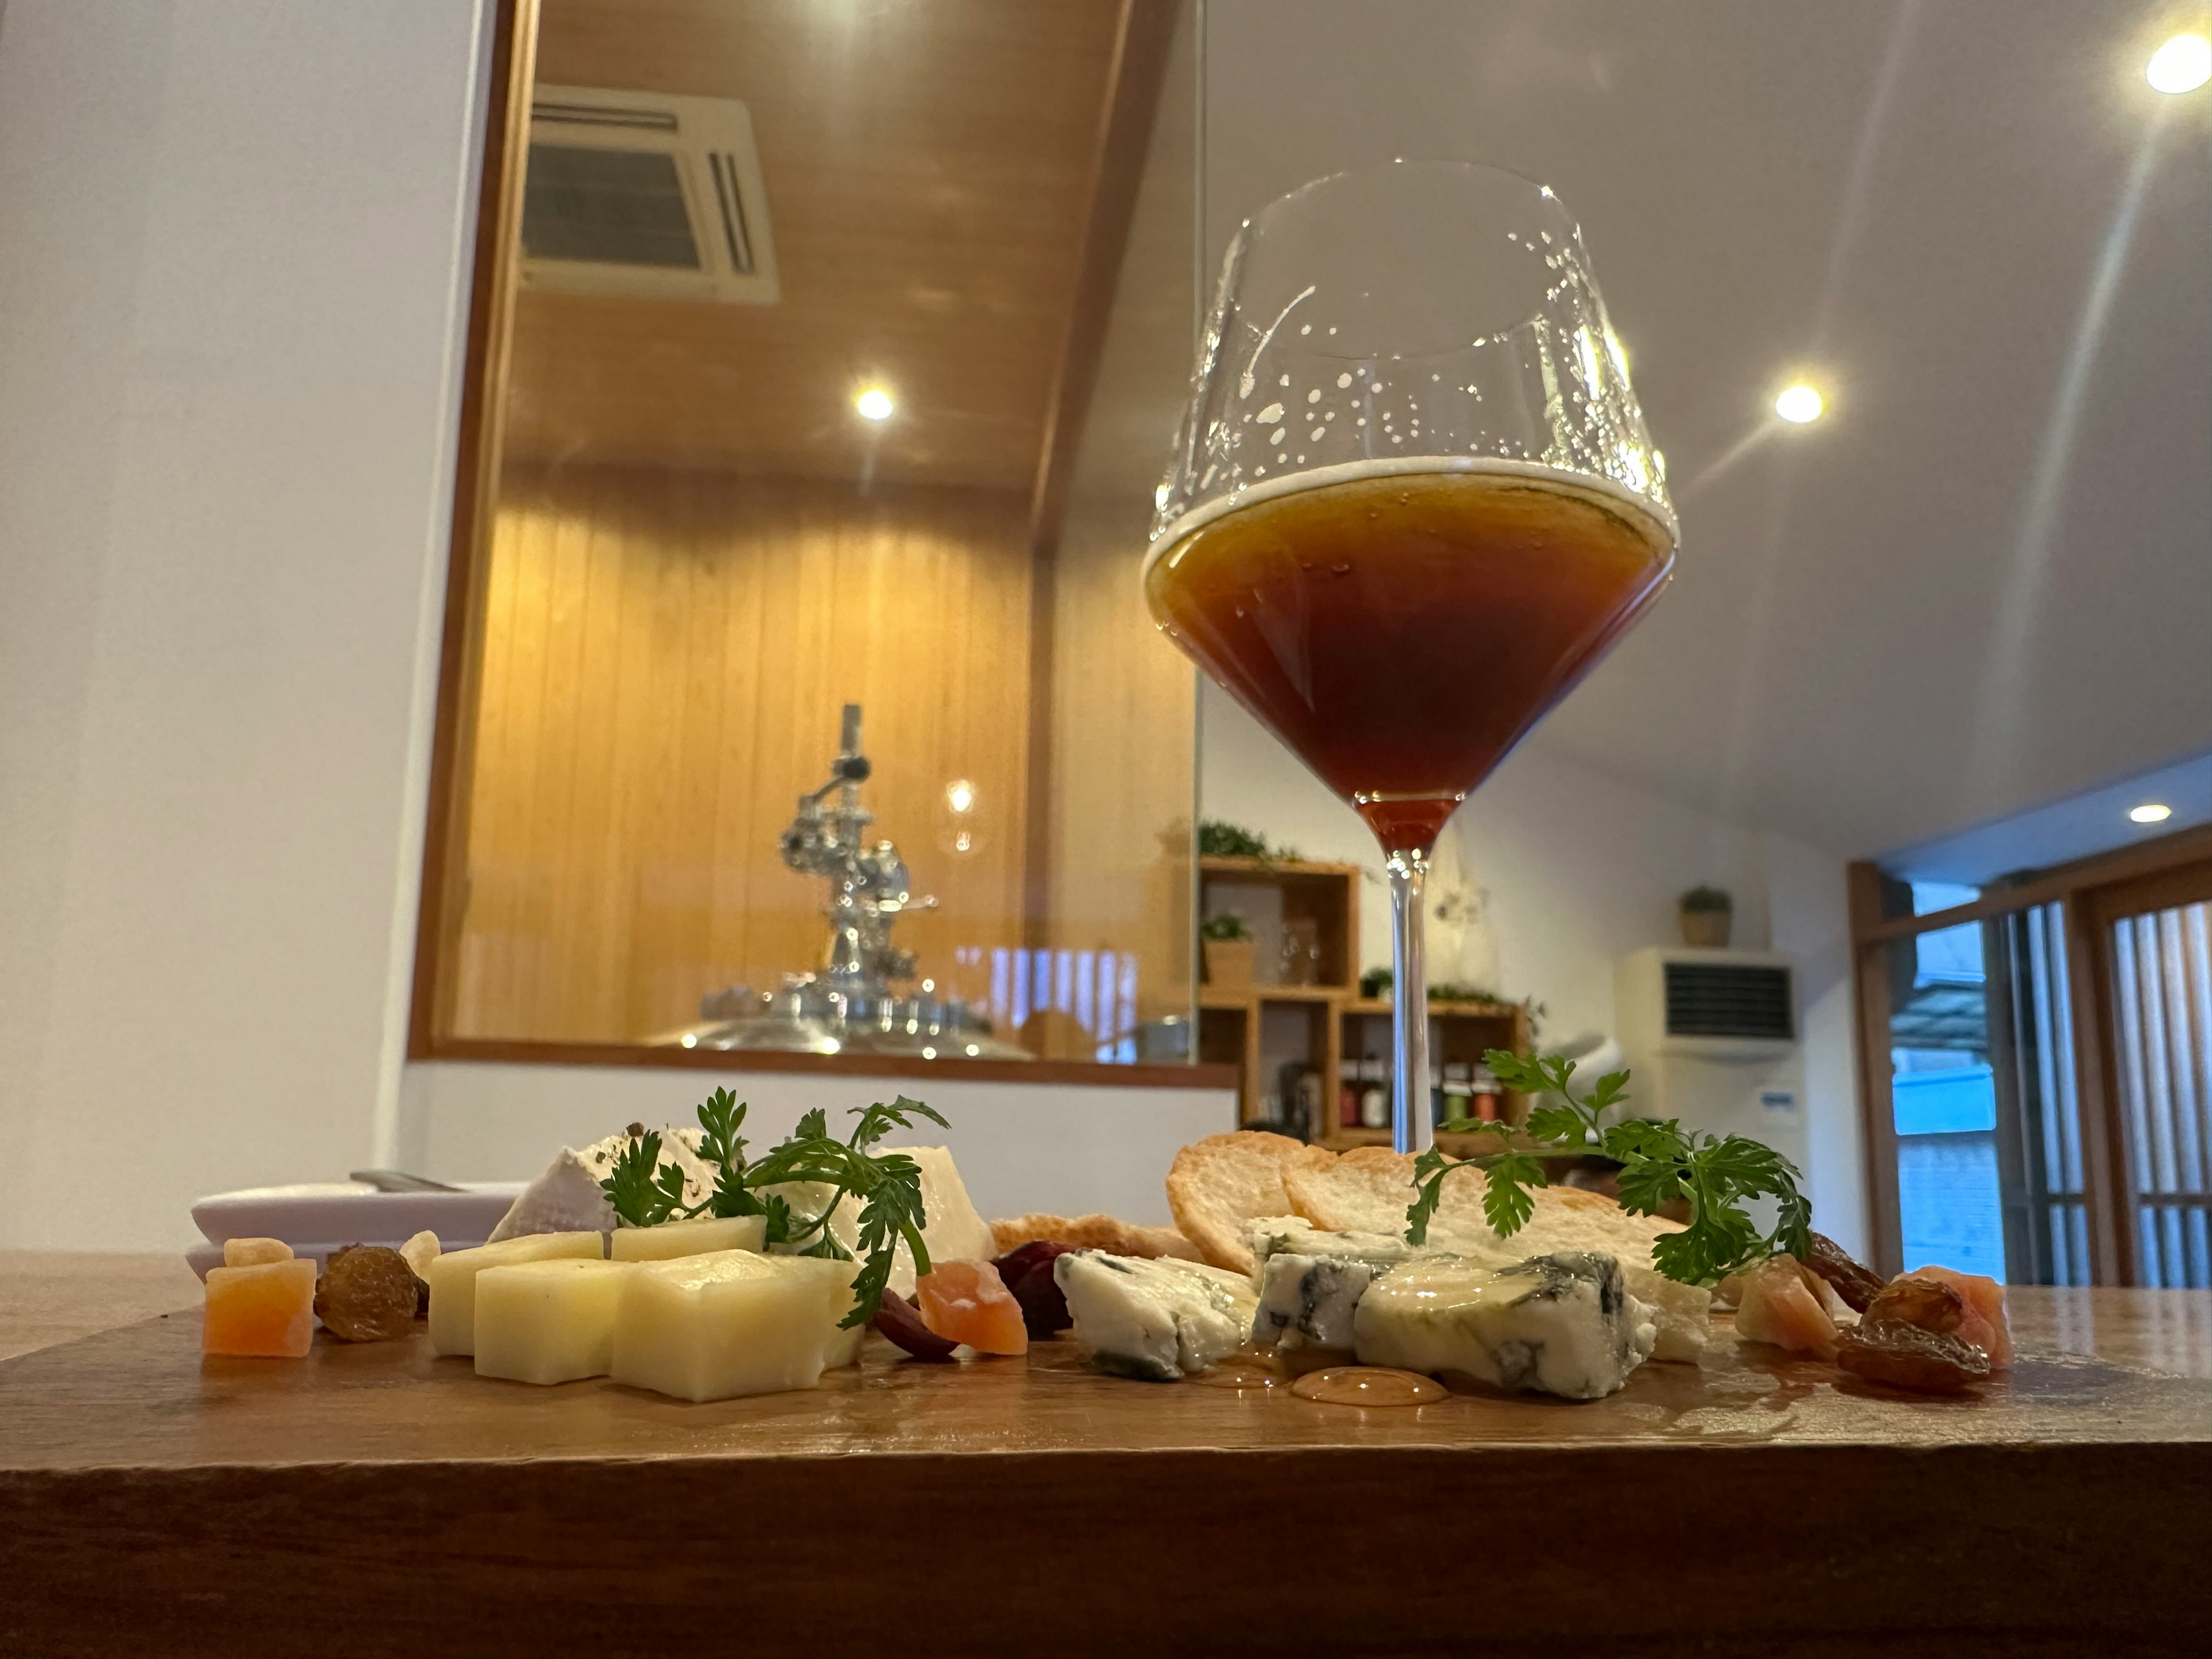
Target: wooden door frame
2091,893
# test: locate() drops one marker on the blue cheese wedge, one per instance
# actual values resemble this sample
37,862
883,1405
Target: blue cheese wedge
1307,1301
1159,1320
1292,1234
1561,1324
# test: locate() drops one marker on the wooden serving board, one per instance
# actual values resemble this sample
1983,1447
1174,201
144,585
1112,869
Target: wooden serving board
376,1499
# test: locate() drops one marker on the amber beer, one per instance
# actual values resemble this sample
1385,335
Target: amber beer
1401,631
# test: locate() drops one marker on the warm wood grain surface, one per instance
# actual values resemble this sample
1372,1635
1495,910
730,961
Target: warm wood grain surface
48,1297
158,1502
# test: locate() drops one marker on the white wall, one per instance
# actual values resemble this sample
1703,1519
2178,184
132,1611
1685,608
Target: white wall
233,237
1063,1149
1579,869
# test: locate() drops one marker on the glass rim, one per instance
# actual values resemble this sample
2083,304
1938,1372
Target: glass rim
1414,163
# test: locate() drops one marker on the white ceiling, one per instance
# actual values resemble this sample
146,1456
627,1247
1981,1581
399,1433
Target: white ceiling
1965,592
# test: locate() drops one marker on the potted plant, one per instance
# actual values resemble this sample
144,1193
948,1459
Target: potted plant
1708,914
1228,943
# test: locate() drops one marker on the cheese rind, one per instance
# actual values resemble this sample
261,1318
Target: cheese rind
1307,1301
452,1280
715,1327
548,1322
1159,1320
699,1236
1560,1324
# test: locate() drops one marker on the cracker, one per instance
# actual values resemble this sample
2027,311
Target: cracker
1092,1232
1218,1185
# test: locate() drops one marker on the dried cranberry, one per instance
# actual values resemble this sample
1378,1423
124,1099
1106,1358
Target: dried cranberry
1026,1272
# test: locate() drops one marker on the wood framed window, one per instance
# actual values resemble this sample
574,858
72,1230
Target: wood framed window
2077,1005
683,541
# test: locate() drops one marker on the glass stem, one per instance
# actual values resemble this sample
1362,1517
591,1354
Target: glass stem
1412,1123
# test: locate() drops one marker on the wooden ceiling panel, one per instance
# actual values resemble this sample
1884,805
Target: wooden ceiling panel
928,164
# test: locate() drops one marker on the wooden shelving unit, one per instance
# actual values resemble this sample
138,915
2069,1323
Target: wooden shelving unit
1261,1028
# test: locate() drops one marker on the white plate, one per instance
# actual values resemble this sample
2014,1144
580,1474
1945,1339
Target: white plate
317,1219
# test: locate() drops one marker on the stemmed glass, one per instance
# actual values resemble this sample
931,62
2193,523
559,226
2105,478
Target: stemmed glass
1413,503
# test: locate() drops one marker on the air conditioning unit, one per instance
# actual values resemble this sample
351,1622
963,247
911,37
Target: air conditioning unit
645,196
1711,1038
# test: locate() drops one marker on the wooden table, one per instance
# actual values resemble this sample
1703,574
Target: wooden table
378,1500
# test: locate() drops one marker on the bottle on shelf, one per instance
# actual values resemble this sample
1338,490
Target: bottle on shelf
1374,1094
1347,1094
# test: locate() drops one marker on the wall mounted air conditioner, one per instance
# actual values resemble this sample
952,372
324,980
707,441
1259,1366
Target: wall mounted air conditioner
1711,1038
645,196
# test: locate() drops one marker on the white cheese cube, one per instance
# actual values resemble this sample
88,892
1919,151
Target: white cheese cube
1307,1301
699,1236
715,1326
452,1280
548,1322
1559,1324
1158,1319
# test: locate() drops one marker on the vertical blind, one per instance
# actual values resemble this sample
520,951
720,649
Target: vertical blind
2162,1020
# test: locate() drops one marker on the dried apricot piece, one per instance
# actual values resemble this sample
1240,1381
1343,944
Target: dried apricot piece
965,1302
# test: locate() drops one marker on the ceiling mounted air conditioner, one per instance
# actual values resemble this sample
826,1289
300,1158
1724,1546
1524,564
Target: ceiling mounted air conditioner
645,196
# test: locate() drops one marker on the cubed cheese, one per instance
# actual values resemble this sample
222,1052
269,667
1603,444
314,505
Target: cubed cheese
702,1237
266,1309
1294,1235
1559,1324
1307,1301
714,1326
452,1280
1159,1320
548,1322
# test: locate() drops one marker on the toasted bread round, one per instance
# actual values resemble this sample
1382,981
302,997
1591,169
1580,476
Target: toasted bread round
1092,1232
1219,1184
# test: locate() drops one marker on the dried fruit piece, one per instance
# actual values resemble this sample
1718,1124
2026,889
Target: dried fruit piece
263,1309
897,1319
254,1252
368,1294
1776,1304
1985,1323
1026,1272
1927,1304
1907,1357
966,1302
1856,1285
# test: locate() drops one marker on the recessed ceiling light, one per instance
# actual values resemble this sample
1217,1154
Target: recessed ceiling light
2150,813
2182,64
1799,404
875,405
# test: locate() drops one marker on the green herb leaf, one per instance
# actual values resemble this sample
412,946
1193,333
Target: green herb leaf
1507,1204
1557,1123
1430,1168
638,1189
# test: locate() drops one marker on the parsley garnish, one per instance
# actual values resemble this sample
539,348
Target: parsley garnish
1661,1163
887,1185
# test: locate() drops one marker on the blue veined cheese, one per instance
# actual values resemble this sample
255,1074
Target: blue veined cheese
1291,1234
1561,1324
1307,1301
1159,1320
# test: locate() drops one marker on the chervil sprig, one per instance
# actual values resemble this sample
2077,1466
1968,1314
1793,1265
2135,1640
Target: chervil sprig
644,1192
1661,1164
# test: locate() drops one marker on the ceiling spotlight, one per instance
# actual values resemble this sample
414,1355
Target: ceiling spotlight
2150,813
875,405
1799,404
960,794
2182,64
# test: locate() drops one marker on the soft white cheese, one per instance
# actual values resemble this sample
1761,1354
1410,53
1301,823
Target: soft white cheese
548,1322
1159,1320
953,1229
699,1236
715,1326
1559,1324
452,1280
567,1197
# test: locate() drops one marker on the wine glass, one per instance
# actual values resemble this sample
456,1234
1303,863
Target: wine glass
1413,503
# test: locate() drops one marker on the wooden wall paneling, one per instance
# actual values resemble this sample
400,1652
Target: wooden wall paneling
665,660
486,359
